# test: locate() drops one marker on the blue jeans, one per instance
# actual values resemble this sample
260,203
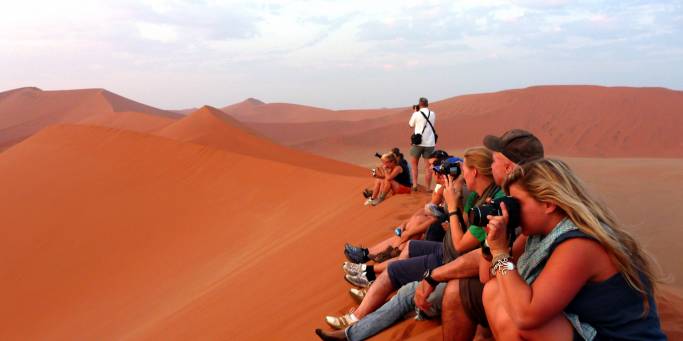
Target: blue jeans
399,306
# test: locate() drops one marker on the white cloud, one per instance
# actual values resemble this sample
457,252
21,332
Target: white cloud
157,32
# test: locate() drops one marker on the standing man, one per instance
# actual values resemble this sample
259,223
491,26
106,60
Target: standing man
423,141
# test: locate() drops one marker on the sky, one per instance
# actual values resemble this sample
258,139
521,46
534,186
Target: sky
335,54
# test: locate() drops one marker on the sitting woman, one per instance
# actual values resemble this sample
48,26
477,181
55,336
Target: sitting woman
391,177
420,256
579,277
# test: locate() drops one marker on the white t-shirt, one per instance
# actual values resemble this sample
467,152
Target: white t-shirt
418,122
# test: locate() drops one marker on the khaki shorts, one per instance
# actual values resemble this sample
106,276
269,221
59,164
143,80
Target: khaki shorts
417,151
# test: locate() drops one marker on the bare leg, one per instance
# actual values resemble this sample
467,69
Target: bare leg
504,328
380,267
376,188
456,324
381,246
376,296
413,168
428,176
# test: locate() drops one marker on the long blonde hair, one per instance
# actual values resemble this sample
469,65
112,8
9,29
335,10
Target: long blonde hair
548,180
481,159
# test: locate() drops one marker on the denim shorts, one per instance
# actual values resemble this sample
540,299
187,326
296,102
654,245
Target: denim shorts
423,255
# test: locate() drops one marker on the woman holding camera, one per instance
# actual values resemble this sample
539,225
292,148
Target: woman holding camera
391,177
579,277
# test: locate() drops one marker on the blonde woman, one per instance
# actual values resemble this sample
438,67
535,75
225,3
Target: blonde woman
391,177
579,277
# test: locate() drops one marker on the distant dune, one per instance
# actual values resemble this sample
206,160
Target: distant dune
25,111
571,120
212,127
253,110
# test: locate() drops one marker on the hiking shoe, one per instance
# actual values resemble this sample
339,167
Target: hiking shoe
336,335
360,280
341,322
358,294
414,188
388,253
367,193
369,202
375,202
356,254
353,269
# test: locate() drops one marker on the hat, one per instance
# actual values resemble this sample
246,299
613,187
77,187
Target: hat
518,145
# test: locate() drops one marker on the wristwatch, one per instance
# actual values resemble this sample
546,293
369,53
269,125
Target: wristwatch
428,277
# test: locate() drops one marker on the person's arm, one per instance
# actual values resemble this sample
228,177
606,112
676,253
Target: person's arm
568,269
437,195
462,241
411,122
417,229
462,267
394,173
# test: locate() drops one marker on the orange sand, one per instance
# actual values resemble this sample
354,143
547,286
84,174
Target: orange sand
201,228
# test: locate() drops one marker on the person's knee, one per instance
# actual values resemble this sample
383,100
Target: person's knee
405,253
451,296
489,294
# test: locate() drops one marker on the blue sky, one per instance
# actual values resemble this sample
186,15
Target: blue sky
336,54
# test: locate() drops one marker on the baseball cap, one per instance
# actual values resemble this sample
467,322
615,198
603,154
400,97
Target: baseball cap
518,145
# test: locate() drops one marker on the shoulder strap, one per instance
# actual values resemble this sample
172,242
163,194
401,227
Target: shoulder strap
430,123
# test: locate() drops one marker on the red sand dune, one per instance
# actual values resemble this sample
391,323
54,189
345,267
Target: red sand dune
130,120
25,111
571,120
136,236
212,127
133,236
253,110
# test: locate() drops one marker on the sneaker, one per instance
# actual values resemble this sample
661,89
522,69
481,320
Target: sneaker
341,322
367,193
335,335
358,294
356,254
360,280
375,202
369,202
414,188
353,269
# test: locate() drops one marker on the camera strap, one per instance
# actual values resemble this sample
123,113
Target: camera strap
427,119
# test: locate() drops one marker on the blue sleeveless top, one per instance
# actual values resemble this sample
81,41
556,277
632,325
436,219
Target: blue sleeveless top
613,307
403,178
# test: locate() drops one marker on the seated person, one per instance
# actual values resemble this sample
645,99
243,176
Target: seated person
420,256
579,275
391,177
414,227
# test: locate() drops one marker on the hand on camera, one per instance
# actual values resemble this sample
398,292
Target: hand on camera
452,191
496,236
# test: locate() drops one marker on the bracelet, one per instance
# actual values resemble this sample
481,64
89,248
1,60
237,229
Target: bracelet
502,265
499,257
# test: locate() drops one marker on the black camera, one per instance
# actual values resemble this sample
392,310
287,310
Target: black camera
378,155
479,215
450,166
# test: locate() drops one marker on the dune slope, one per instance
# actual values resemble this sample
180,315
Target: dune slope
570,120
25,111
212,127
